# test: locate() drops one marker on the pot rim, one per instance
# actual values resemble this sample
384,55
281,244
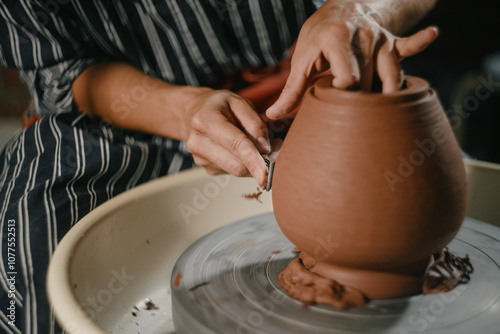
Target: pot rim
417,89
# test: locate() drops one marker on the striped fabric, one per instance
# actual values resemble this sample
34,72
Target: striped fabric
66,164
193,42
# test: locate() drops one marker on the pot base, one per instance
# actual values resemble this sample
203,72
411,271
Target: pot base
313,281
228,283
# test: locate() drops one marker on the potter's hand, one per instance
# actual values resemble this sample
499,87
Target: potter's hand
349,40
227,135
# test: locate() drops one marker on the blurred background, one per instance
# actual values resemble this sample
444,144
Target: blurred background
463,66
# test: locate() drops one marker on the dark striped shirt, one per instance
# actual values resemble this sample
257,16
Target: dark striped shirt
186,42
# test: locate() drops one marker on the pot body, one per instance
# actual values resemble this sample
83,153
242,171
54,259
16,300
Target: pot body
370,183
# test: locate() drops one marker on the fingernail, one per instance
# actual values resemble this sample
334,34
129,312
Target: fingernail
258,176
264,143
270,111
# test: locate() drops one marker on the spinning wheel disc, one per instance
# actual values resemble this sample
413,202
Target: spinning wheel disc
229,284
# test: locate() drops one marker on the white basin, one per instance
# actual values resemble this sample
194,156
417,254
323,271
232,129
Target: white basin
123,252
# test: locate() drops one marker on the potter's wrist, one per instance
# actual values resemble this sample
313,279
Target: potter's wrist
373,15
189,97
166,113
393,16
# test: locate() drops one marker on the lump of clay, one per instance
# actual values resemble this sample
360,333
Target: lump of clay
308,287
445,272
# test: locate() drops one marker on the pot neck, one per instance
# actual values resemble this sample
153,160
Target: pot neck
416,90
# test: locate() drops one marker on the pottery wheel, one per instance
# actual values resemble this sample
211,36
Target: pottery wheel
229,284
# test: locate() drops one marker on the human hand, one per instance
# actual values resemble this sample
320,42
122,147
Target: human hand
350,41
227,135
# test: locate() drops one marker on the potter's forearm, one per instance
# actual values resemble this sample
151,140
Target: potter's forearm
133,100
400,15
397,16
220,128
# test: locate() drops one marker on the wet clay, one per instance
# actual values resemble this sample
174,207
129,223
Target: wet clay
308,287
302,281
370,186
446,271
177,279
256,195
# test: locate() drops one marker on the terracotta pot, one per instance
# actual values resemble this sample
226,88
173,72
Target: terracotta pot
370,185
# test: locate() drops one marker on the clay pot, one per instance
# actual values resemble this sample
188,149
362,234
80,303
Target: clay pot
370,185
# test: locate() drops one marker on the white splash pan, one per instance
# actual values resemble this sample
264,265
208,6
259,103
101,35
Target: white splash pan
122,253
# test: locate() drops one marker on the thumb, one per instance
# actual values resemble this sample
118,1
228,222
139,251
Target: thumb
409,46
